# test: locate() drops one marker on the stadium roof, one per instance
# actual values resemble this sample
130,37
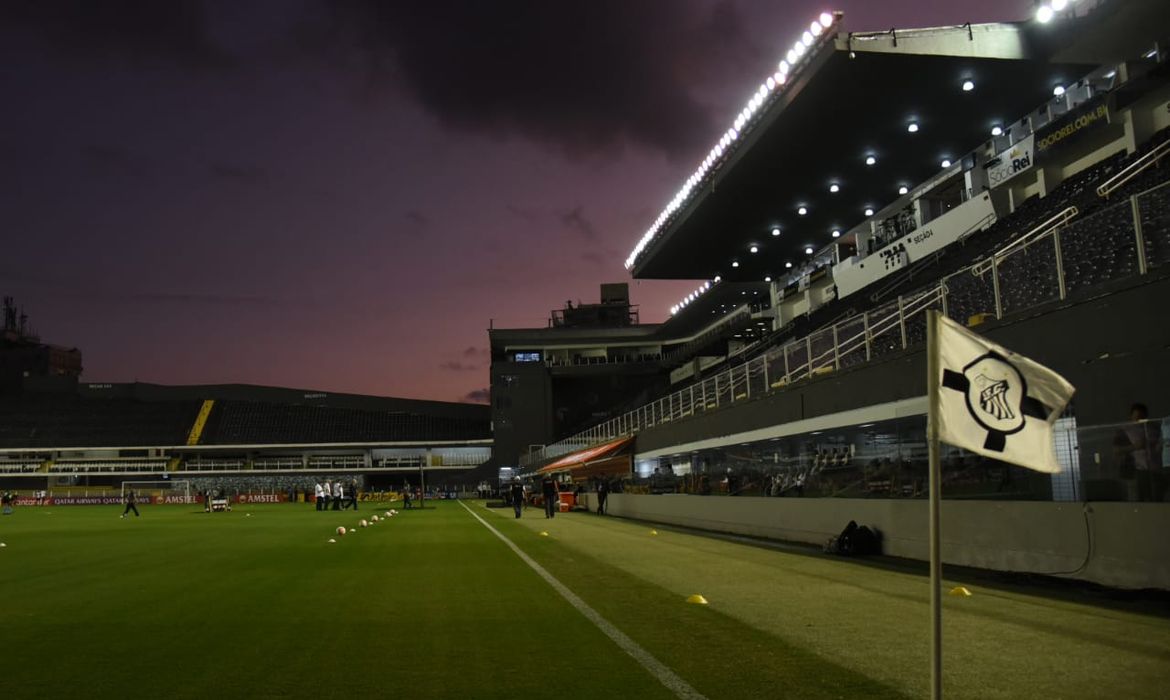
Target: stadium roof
840,113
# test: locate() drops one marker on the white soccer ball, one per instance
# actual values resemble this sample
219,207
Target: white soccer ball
2,545
363,523
388,514
341,530
332,541
247,515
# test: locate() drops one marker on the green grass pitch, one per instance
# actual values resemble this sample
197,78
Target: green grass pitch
430,604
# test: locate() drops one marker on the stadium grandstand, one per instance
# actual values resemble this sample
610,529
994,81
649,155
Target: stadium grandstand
66,437
1011,175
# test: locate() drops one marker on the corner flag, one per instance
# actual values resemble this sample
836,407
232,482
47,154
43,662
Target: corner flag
995,402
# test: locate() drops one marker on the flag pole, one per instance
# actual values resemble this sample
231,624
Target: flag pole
933,382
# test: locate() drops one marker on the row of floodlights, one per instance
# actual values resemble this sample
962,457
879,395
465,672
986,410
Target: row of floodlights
742,121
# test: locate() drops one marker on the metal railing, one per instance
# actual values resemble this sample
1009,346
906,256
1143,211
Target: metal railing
1134,169
1057,258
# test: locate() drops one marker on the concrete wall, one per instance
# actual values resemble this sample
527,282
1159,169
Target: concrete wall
1129,544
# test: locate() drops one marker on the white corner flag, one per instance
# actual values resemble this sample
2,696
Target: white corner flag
995,402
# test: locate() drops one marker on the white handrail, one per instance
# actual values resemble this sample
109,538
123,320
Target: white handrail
1132,170
1048,226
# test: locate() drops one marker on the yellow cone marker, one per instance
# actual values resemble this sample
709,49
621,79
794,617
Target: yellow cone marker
653,532
960,591
543,533
697,599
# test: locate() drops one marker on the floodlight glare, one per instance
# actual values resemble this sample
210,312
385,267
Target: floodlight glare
1044,14
808,250
788,265
735,263
775,232
968,85
869,211
834,188
870,160
754,249
996,130
1058,90
825,19
836,233
912,127
946,162
802,211
1059,5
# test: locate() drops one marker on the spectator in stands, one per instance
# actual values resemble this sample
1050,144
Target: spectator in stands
131,499
548,490
516,493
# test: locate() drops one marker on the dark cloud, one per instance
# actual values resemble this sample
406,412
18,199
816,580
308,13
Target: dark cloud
478,396
456,366
576,221
587,77
113,160
176,31
203,299
418,218
240,173
481,353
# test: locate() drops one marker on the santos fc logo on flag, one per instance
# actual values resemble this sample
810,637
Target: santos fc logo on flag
996,402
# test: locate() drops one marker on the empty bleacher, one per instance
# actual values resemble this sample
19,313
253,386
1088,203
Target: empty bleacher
246,422
69,421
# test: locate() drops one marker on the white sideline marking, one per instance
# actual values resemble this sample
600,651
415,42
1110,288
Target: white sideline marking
659,670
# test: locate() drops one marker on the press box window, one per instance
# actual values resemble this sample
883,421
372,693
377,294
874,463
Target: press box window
526,357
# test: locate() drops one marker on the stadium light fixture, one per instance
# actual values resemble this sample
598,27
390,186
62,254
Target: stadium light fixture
754,249
912,127
1059,5
836,233
1044,14
946,162
834,188
996,130
968,85
735,263
1058,91
767,278
808,250
869,211
870,160
802,210
776,232
903,189
718,279
757,102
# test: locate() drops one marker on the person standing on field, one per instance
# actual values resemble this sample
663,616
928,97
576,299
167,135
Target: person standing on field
548,489
338,495
319,495
517,494
131,499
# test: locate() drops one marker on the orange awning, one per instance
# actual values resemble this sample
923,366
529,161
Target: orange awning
581,457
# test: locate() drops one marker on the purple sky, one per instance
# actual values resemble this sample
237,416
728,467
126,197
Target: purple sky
339,195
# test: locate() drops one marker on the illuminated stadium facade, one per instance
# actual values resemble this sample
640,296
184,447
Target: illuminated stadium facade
1008,175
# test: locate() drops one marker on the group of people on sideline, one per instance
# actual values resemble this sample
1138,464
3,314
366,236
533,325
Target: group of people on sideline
340,496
